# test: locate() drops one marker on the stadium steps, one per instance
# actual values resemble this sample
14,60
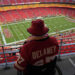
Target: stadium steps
65,65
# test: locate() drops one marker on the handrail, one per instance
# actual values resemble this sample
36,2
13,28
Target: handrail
16,49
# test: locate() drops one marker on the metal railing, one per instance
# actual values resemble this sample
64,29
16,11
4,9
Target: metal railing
10,53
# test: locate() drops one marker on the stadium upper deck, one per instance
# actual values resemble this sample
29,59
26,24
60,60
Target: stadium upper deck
16,12
11,2
16,15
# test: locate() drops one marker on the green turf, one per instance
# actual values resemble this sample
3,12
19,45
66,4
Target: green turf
58,24
19,31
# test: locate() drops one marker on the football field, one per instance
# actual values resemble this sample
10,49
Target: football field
14,32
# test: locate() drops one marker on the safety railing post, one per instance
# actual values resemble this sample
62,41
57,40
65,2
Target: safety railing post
59,52
6,67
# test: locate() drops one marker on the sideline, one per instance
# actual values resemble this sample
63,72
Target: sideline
29,20
15,42
62,31
3,36
70,19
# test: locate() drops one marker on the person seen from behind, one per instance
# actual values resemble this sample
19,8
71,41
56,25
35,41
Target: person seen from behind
39,49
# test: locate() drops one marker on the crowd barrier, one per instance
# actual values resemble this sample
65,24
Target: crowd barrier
10,53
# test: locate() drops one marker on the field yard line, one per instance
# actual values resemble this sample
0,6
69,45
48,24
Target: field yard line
15,32
62,31
10,31
52,17
21,31
0,28
49,34
15,42
3,36
24,30
17,23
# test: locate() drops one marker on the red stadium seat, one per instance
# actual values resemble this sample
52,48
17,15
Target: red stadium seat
12,2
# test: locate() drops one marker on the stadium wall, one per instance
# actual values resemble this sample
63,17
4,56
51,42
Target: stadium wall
26,6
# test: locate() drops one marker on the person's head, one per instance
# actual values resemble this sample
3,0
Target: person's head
38,28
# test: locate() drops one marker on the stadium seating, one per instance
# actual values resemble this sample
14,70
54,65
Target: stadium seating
4,2
8,2
73,13
19,1
1,18
36,12
67,39
29,13
42,13
22,14
7,17
13,15
12,1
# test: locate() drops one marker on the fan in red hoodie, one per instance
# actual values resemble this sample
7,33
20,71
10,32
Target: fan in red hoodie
39,48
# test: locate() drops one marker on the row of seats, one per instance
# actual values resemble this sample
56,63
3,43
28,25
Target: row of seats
10,2
13,56
67,38
16,15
